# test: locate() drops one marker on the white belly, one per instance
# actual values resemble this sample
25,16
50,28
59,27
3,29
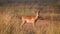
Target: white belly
29,21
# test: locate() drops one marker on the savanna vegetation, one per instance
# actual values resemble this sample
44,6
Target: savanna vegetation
47,23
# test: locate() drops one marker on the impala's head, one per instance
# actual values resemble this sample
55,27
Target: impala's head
37,12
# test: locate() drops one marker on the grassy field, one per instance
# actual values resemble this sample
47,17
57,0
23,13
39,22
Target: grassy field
10,21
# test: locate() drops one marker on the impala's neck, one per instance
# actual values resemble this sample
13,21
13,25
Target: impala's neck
37,13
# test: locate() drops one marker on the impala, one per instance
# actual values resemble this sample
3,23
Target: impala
29,19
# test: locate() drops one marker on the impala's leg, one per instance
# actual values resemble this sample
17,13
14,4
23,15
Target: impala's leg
33,23
23,21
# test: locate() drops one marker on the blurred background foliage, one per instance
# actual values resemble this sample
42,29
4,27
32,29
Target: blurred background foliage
15,9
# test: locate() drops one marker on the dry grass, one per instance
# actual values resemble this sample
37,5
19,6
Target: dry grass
10,23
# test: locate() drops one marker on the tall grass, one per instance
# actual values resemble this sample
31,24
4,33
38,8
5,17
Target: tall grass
10,23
